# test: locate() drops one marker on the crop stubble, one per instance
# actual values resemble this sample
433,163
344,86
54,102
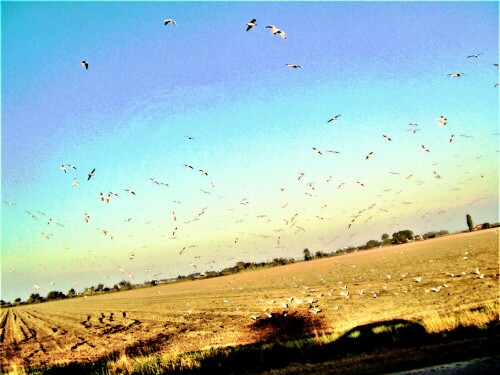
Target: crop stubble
214,312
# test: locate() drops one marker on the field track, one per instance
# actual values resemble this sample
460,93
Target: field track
188,316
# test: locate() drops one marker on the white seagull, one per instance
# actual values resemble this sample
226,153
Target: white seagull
251,24
442,120
334,118
456,75
85,64
275,31
169,20
293,66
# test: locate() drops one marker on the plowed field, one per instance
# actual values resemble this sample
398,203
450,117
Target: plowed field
457,272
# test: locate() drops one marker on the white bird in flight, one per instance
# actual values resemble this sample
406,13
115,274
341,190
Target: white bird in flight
293,66
169,20
251,24
85,64
334,118
275,31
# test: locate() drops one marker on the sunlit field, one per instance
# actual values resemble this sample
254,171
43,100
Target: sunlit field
441,283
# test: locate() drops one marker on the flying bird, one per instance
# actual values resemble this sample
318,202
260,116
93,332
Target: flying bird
476,56
334,118
130,191
442,120
275,31
456,75
425,149
293,66
317,150
63,168
369,155
91,174
452,137
72,166
85,64
251,24
387,137
33,216
169,20
188,166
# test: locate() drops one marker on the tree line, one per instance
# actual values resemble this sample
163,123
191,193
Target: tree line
397,238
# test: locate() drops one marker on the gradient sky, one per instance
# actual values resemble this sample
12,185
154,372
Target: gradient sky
381,65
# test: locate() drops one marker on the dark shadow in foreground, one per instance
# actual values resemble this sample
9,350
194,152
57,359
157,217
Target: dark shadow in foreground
387,346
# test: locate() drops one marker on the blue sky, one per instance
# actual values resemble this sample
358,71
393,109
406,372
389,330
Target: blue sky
254,120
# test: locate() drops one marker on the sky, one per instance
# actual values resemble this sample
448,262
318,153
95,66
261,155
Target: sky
254,120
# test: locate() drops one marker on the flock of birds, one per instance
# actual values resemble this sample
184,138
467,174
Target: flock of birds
291,222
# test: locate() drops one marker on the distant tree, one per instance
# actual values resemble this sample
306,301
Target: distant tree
3,303
372,243
100,288
125,285
52,295
71,293
385,237
402,236
240,265
35,298
486,225
470,223
17,301
307,254
116,287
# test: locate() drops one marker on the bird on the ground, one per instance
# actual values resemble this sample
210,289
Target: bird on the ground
251,24
275,31
85,64
169,20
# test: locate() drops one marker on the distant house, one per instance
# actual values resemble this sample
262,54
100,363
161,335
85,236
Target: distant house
479,226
